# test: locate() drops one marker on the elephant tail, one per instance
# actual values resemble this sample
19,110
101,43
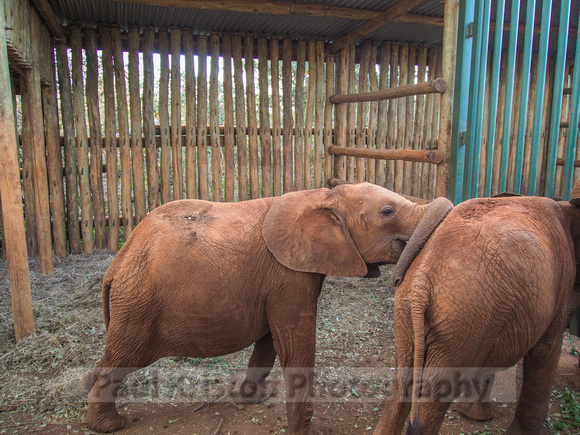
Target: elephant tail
418,309
106,291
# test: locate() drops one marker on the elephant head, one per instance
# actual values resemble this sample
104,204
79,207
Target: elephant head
346,231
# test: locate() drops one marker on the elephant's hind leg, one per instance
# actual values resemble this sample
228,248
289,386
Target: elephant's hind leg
255,388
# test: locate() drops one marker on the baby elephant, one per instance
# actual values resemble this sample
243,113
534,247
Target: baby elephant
496,282
202,279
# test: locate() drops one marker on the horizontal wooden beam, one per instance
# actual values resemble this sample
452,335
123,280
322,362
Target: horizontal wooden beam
426,156
333,182
562,162
46,12
430,87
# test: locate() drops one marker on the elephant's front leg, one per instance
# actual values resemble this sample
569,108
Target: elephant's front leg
255,388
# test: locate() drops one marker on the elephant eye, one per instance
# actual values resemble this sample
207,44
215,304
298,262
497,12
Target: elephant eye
387,211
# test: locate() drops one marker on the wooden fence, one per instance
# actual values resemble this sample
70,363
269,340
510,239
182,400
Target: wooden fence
198,120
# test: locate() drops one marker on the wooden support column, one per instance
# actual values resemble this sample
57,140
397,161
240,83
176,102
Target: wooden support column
202,117
253,158
229,151
276,125
265,133
190,117
177,152
10,191
216,171
287,133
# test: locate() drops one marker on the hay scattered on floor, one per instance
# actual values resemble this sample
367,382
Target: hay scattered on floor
42,375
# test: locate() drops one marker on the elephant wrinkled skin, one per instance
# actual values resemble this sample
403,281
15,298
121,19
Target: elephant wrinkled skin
202,279
496,282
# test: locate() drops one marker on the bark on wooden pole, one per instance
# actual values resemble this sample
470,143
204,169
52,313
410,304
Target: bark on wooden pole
10,191
287,130
216,163
253,157
361,114
319,115
340,113
164,116
432,86
427,156
373,113
265,133
328,117
202,117
241,142
351,112
176,149
190,117
276,126
299,114
309,116
229,141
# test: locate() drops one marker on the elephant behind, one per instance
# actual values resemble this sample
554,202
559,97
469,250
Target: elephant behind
202,279
496,282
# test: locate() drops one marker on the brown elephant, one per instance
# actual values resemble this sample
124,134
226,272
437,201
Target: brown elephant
496,282
202,279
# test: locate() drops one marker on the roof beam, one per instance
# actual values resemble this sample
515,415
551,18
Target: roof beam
52,22
398,9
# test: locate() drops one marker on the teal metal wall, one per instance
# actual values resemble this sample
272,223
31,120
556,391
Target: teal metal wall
514,127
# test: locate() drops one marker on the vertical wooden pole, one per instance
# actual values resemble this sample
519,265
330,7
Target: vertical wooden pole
435,127
450,15
95,140
428,139
54,164
401,117
70,151
164,116
229,140
361,114
340,112
149,119
418,138
392,116
382,119
319,114
136,125
216,164
265,133
110,138
373,112
287,134
241,142
123,118
351,113
190,118
276,128
177,151
328,117
10,191
202,117
299,113
409,124
252,119
28,172
310,100
78,93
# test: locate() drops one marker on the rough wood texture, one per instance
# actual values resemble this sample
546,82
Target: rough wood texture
340,113
216,171
373,112
432,86
328,117
202,117
229,139
276,126
176,149
299,115
351,113
319,114
361,113
428,156
309,115
288,127
241,142
252,118
265,133
164,117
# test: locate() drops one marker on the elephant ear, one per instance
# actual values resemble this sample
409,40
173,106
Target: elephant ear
307,233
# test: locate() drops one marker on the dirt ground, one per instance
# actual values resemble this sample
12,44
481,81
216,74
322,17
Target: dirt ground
40,378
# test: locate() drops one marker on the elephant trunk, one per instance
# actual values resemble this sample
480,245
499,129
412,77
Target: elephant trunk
433,215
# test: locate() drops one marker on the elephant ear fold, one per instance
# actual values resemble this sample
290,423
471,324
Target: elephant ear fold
306,233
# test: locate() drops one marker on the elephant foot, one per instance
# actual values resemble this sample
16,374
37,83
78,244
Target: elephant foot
478,411
89,380
252,391
104,418
309,429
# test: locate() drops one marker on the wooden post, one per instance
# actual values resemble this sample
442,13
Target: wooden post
136,126
110,138
299,113
78,93
229,140
340,113
401,117
149,119
54,164
10,191
361,114
124,139
428,156
310,100
190,118
450,15
287,134
382,120
265,133
351,112
418,139
408,142
202,117
328,117
276,128
164,116
177,152
252,119
96,141
70,151
216,164
392,116
373,113
319,114
241,143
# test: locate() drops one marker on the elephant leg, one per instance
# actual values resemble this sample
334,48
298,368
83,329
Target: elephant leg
540,365
255,388
396,408
479,410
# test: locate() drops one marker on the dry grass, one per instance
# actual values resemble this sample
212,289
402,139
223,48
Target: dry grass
41,377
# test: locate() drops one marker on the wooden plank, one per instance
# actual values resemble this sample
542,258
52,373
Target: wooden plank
12,213
351,113
428,156
202,161
190,117
382,120
362,110
229,140
432,86
408,143
54,165
241,142
400,8
288,127
216,171
318,114
149,139
276,125
328,117
309,115
432,56
401,116
176,146
418,141
265,132
340,112
136,126
28,172
95,140
123,127
373,112
165,132
299,116
392,117
110,138
252,117
437,110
